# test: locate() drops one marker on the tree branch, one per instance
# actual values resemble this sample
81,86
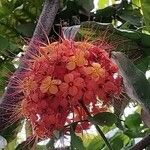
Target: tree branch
44,25
46,20
142,144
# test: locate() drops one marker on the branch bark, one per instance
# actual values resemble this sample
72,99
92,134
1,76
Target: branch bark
142,144
43,27
46,20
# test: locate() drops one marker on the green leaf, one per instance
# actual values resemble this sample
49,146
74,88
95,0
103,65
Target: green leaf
103,3
11,132
129,40
136,85
146,12
133,121
26,29
96,143
119,141
106,32
144,63
41,147
105,15
50,144
119,106
104,119
134,17
29,144
6,69
11,145
136,3
86,4
76,141
3,43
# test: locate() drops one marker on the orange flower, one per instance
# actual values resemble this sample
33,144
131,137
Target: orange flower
77,60
71,85
96,71
49,85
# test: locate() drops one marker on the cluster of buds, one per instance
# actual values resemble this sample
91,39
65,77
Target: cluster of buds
61,77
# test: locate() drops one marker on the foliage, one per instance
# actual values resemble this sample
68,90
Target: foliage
124,25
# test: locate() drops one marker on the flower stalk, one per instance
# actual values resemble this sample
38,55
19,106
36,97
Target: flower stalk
97,127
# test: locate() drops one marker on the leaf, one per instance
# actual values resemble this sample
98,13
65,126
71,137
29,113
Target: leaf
86,4
103,3
11,132
50,144
76,141
144,64
134,17
119,106
104,119
26,29
133,121
3,43
70,32
41,147
136,85
146,12
136,3
3,142
11,145
129,41
3,12
105,15
6,69
96,143
106,32
28,128
119,141
29,144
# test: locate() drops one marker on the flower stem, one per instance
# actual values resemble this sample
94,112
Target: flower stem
97,127
103,137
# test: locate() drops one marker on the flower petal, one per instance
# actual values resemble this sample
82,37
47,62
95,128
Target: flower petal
53,89
71,65
89,70
81,61
69,77
96,65
63,87
73,90
95,76
45,84
79,82
44,88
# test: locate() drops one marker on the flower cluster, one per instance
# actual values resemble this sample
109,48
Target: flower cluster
61,77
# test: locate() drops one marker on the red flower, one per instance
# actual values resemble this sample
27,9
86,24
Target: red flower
72,85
